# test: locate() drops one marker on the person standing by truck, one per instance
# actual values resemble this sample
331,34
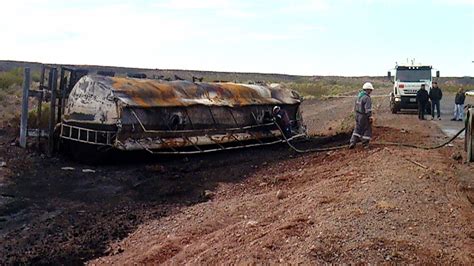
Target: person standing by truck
435,96
283,120
459,105
363,117
422,98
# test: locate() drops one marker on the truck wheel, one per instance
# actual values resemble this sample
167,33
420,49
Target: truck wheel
470,138
393,107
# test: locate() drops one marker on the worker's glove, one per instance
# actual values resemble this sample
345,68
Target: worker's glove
371,119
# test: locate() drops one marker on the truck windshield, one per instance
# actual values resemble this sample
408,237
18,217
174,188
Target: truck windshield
413,75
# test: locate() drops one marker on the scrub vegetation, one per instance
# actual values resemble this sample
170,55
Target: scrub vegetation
452,85
10,91
310,87
321,87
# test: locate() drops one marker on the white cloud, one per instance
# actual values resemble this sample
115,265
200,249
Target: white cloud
272,36
307,28
400,2
222,8
305,6
456,2
127,34
115,34
202,4
216,35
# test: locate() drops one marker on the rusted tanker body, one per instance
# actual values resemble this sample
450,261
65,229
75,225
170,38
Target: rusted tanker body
174,116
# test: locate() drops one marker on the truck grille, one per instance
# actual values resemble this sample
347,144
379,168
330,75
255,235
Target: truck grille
410,91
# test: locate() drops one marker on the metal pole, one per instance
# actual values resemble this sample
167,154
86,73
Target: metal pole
52,120
42,77
24,108
61,95
38,115
40,105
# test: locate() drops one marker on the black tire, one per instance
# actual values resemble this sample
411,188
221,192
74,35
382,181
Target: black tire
393,107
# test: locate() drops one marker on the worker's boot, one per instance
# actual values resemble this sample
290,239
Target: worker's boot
352,145
365,144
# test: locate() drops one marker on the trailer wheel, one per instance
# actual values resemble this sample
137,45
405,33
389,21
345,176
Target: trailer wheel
394,110
393,107
470,137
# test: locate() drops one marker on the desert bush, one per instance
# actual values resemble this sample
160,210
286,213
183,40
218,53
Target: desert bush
36,76
330,86
32,116
452,88
318,89
3,96
14,77
11,78
347,124
10,95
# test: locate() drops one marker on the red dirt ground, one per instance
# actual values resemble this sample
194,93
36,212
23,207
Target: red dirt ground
359,206
263,205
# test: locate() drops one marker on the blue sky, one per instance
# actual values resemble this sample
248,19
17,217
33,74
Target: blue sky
306,37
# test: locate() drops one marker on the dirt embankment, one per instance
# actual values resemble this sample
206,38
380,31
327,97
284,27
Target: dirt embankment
384,204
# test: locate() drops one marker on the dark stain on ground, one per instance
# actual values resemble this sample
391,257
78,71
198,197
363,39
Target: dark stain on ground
61,216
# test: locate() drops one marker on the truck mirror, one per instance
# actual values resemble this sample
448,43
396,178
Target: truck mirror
437,73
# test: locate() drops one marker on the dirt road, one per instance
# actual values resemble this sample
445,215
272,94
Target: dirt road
384,204
445,124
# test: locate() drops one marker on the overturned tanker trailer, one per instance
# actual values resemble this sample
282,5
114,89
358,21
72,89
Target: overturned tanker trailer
173,117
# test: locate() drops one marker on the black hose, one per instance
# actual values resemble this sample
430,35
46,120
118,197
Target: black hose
419,146
308,150
373,143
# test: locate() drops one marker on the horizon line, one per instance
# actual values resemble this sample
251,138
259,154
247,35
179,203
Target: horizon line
216,71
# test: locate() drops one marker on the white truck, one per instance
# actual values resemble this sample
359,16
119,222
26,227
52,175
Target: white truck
407,80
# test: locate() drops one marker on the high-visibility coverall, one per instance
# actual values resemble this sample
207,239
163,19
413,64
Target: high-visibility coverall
284,122
363,112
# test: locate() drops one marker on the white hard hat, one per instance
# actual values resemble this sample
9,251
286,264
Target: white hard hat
367,86
276,109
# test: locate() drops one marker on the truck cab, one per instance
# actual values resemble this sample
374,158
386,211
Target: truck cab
407,80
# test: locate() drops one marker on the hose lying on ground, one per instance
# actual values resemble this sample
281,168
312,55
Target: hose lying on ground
382,143
420,146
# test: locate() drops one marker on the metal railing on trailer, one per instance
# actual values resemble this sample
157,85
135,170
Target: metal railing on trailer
85,135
